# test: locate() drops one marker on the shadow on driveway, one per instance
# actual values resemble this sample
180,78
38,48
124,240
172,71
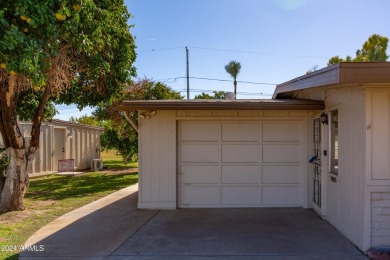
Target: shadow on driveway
121,231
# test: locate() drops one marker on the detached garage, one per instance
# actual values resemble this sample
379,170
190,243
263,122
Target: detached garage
223,153
322,142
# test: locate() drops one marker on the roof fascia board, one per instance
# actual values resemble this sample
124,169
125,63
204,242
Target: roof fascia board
342,73
221,105
327,76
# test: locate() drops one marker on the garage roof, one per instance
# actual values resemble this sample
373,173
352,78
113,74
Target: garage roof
343,73
222,104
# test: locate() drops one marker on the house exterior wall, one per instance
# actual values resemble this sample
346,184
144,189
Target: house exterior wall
82,143
344,197
158,160
377,189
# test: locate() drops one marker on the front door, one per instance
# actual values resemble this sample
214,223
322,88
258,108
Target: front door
316,167
58,147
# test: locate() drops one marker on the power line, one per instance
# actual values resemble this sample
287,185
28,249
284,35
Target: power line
223,80
163,49
212,91
226,50
239,81
238,51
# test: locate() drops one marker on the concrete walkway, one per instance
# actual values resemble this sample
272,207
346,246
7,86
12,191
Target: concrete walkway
113,228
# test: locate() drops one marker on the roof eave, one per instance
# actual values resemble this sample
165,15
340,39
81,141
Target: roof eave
221,105
342,73
322,77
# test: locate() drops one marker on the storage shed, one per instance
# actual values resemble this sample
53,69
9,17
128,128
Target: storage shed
322,142
61,140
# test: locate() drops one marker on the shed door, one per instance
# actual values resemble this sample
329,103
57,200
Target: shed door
240,164
58,147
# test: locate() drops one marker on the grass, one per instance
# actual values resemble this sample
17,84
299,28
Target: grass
112,160
52,196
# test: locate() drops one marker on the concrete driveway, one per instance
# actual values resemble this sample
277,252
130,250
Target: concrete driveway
113,228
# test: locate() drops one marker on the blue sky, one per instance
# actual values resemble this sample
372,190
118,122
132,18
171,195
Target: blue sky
274,40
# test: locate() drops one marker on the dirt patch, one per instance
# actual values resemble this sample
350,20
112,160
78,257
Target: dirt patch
118,171
30,211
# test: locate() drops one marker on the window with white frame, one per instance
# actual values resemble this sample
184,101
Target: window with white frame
334,142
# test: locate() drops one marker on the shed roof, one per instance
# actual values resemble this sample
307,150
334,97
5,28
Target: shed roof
222,104
66,123
342,73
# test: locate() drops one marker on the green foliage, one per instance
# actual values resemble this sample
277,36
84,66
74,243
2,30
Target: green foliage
85,119
28,103
82,50
217,95
374,49
314,68
3,160
119,134
233,68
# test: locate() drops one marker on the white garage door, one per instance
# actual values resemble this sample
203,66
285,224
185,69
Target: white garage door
239,164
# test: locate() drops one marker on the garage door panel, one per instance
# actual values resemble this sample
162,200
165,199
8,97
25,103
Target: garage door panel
200,195
240,153
280,196
240,196
199,131
242,174
288,174
202,153
281,153
240,132
198,174
281,132
240,163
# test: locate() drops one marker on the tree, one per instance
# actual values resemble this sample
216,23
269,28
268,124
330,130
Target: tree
217,95
374,49
119,134
233,68
312,69
85,119
64,51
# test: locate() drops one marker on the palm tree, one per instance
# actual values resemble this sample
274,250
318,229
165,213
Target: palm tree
233,68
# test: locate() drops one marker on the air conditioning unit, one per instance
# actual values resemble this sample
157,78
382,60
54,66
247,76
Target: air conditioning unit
96,164
230,95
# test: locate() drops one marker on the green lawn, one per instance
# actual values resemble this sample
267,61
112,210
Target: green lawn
52,196
113,160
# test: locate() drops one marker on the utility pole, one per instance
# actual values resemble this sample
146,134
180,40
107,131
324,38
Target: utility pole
188,75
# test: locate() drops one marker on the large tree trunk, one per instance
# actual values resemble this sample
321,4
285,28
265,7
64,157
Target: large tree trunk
16,181
15,184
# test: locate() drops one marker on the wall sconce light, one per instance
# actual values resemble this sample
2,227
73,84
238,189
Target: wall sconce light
70,135
148,114
324,118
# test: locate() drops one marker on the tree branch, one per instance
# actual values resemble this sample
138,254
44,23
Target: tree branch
9,96
36,124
